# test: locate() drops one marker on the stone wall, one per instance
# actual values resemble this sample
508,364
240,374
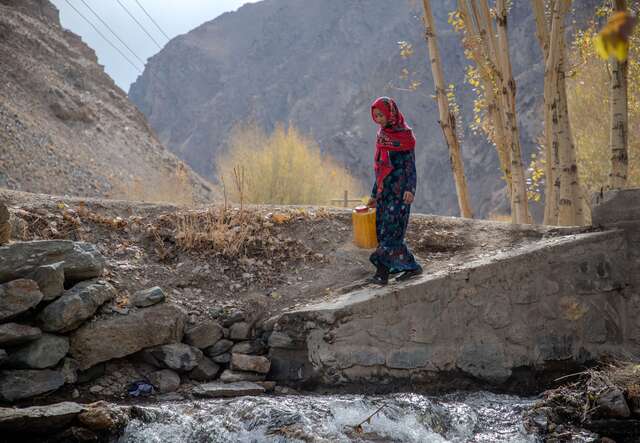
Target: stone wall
501,321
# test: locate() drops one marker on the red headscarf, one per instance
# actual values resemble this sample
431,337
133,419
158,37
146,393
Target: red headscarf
396,136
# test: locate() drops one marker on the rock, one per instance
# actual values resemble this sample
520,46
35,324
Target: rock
234,316
75,394
268,386
148,297
176,356
205,371
44,352
82,261
38,419
5,226
612,403
96,389
3,356
92,373
69,370
249,347
222,358
250,363
281,340
75,434
18,296
284,390
50,279
220,347
19,384
101,416
232,376
240,331
165,380
119,336
217,389
203,335
171,396
12,334
76,305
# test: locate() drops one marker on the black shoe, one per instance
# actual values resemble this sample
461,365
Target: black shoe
409,274
382,276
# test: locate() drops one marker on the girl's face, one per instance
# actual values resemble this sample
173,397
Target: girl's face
379,117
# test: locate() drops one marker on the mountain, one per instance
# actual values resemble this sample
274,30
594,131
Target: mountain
319,65
66,127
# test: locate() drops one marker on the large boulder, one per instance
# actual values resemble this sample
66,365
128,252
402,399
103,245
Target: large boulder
122,335
76,305
82,261
38,419
24,383
220,347
12,334
204,334
44,352
177,356
18,296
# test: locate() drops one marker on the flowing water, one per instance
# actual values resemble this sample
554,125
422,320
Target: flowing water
459,417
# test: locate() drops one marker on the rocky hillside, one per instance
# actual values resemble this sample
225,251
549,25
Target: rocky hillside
66,128
319,65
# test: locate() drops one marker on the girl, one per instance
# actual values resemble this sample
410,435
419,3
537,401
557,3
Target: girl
393,192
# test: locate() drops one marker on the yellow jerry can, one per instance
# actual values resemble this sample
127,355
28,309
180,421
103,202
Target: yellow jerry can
364,227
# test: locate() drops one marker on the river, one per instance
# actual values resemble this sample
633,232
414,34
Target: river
405,417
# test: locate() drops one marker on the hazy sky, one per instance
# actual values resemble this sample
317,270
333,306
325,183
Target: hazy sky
174,18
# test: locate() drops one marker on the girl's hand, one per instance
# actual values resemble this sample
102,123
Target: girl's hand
372,202
408,197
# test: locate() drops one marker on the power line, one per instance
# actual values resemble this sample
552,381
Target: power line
154,22
113,32
103,36
139,24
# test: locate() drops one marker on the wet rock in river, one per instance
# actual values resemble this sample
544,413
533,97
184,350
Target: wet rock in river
38,419
217,389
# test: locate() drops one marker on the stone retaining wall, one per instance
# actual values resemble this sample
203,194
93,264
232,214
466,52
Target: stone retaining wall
556,304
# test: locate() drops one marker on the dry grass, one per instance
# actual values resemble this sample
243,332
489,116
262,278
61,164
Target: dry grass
284,167
175,188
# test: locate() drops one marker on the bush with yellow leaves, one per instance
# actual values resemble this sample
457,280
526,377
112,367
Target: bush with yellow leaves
284,167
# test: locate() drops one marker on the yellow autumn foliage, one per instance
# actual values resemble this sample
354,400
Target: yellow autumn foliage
284,167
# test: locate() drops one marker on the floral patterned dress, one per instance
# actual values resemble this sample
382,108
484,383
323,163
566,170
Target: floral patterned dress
392,215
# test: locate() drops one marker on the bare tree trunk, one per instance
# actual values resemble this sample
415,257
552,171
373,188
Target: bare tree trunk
519,203
619,117
447,118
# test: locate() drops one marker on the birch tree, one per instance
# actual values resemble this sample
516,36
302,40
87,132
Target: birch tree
618,138
447,118
487,45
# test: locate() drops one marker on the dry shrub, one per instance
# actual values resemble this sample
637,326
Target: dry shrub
284,167
234,233
175,188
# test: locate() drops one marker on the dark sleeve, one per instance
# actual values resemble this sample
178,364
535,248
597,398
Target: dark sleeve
407,162
374,191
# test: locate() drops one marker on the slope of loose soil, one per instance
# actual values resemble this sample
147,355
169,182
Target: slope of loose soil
66,128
